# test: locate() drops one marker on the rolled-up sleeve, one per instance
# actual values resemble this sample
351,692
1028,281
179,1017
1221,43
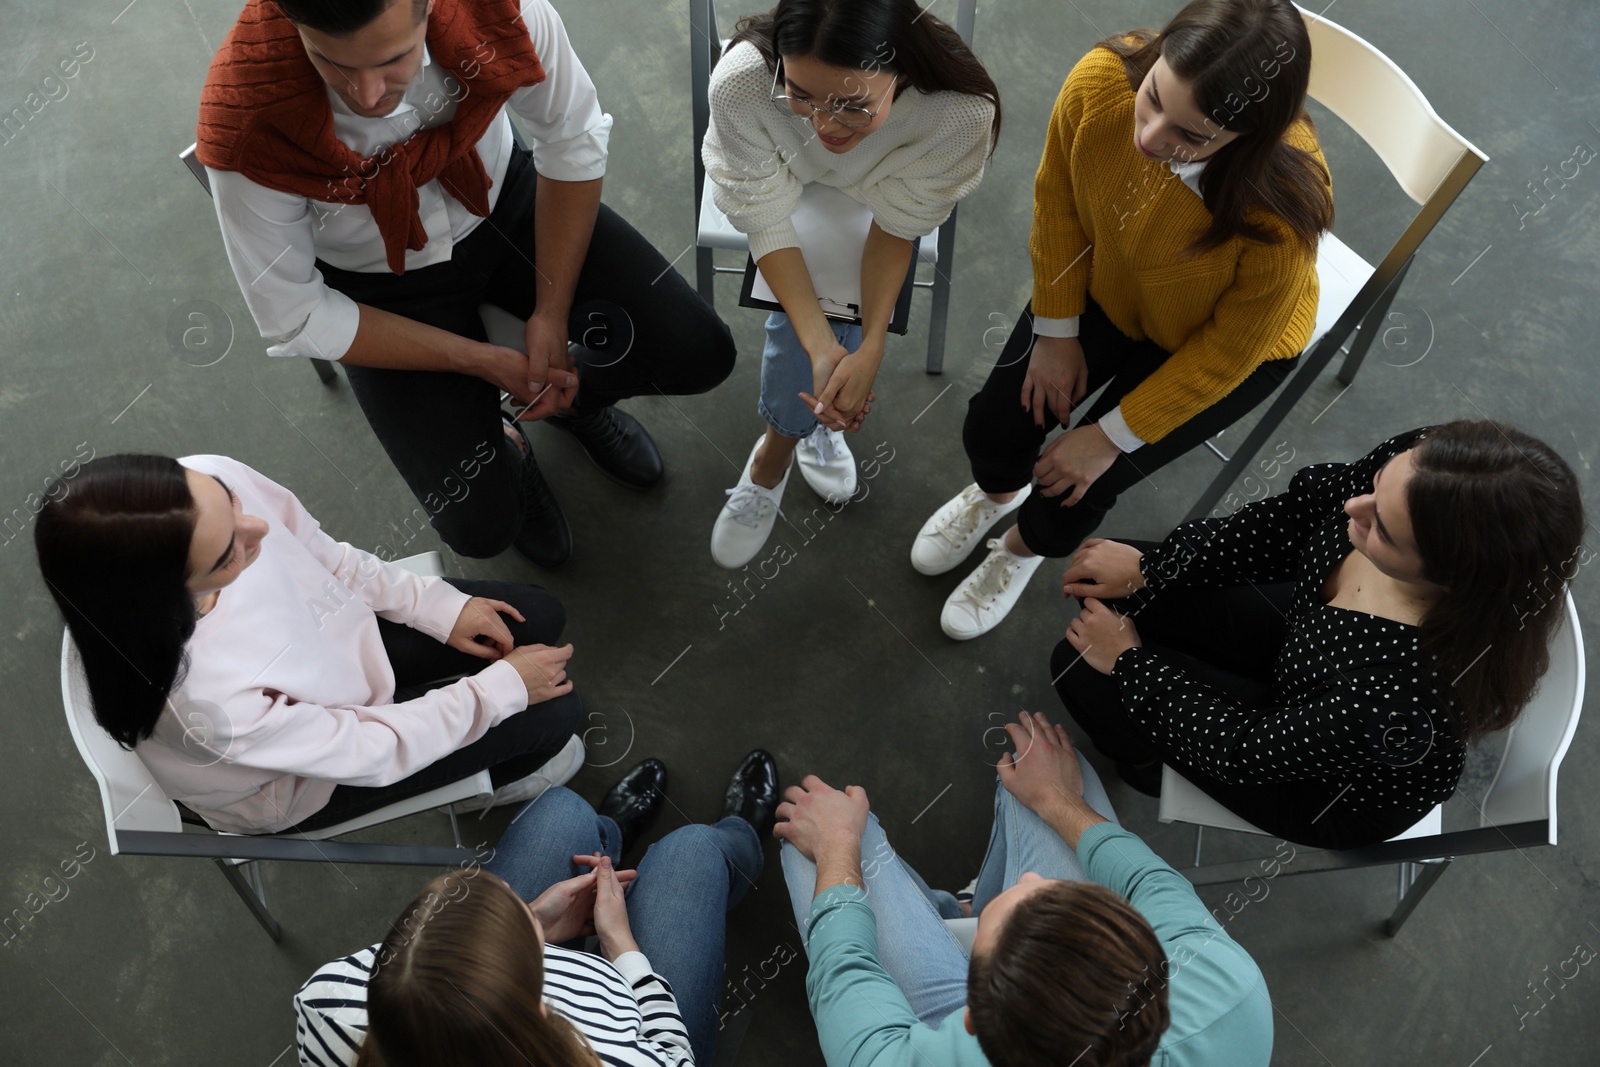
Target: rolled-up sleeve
268,238
561,114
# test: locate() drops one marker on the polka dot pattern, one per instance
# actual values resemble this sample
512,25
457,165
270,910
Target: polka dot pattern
1353,701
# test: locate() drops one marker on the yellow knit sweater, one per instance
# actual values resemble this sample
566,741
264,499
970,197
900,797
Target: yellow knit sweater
1112,224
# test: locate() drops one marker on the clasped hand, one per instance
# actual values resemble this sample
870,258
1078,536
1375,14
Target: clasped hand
842,382
591,903
542,382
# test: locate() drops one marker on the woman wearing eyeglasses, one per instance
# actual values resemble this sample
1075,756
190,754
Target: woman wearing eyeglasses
878,99
1176,215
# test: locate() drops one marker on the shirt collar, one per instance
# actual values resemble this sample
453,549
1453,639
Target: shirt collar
1189,173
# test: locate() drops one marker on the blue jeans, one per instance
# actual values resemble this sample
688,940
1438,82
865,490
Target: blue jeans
919,952
786,372
687,882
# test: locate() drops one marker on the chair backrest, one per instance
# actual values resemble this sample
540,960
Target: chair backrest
197,168
1375,98
1524,787
130,796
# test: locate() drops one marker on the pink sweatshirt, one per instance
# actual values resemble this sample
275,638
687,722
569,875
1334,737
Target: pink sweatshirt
289,691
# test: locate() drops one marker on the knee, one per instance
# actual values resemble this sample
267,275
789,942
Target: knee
481,533
543,614
558,717
1063,661
560,804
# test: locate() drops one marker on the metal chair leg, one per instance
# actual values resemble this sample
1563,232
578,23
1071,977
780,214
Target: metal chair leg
939,315
1428,872
324,371
1198,832
1371,326
252,895
1211,443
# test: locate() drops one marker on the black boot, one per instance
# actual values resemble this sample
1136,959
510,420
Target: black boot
545,539
617,444
753,792
634,802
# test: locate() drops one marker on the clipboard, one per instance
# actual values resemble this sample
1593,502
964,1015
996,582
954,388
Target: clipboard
833,232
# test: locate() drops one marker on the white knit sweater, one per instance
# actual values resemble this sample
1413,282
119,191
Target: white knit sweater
910,171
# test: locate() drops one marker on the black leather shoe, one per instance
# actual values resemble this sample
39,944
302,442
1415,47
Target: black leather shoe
616,443
545,539
634,802
1144,778
753,792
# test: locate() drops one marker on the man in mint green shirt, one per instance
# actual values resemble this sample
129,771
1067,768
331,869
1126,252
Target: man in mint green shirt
1089,949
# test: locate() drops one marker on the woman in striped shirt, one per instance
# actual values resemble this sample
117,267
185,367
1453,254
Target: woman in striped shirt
475,971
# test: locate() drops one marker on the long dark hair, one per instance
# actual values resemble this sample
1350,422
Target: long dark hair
113,546
458,980
1229,51
1499,524
1074,967
893,35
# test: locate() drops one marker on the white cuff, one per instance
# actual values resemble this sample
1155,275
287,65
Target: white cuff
329,331
1055,327
1114,426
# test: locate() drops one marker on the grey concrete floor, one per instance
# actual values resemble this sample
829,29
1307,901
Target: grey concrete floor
837,665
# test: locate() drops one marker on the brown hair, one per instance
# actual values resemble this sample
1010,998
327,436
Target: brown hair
113,545
898,36
458,980
1228,51
1499,523
1075,971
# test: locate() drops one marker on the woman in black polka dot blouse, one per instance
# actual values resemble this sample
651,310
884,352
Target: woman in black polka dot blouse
1320,660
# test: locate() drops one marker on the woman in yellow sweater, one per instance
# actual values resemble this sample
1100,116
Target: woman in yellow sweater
1177,209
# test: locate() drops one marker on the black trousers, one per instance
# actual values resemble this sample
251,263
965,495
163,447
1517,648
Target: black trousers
514,749
1003,443
645,331
1229,638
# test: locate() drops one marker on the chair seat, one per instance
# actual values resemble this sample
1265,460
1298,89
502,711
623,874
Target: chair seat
715,231
477,785
963,931
1340,275
1183,801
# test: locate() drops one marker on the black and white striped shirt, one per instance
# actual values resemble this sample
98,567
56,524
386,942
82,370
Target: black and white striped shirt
625,1010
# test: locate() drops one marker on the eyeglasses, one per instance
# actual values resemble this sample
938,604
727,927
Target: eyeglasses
844,114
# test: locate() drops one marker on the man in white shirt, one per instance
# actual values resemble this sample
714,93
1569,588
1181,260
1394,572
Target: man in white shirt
374,242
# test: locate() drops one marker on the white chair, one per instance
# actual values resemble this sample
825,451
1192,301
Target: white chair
1432,164
142,821
714,231
963,930
503,328
1519,810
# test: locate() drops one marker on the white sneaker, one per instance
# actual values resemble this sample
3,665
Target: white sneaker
956,528
747,518
988,594
558,771
826,464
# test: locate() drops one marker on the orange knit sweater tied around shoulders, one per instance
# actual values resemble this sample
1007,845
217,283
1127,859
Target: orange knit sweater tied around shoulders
264,112
1112,224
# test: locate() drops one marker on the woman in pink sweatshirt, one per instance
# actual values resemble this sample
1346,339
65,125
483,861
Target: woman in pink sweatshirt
273,678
